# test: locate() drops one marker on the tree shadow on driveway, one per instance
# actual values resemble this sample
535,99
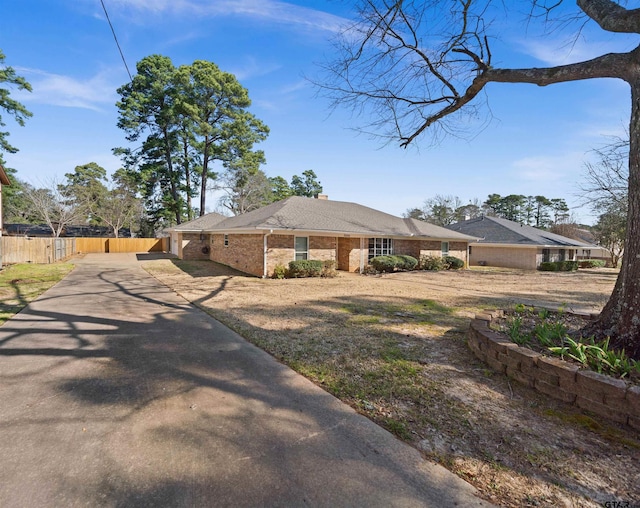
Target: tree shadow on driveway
116,392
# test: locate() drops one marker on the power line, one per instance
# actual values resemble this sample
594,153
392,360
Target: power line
116,39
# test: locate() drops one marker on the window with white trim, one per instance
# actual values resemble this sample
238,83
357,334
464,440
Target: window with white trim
226,240
301,247
445,249
380,247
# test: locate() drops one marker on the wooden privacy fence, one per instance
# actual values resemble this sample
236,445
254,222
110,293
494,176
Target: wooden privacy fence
88,245
137,244
19,249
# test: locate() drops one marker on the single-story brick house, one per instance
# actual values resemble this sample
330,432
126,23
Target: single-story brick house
512,245
306,228
189,240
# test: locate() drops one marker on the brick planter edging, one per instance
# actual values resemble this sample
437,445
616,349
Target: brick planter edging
611,398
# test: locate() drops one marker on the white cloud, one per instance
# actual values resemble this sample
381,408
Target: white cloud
547,168
66,91
556,51
295,87
251,68
272,10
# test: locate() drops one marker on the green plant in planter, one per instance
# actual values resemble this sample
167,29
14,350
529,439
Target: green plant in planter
573,349
544,314
514,331
521,308
549,334
597,356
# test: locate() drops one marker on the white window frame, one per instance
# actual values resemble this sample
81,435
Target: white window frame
444,248
226,240
380,247
297,252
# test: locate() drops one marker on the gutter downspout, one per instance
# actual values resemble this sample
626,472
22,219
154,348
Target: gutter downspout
264,254
361,255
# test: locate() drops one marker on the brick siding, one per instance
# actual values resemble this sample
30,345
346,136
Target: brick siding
243,253
349,254
503,256
323,248
419,248
192,246
281,250
511,257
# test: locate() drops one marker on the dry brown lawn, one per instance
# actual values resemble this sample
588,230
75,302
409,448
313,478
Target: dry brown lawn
393,347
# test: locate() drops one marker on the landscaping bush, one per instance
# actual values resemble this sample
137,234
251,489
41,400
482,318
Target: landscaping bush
568,266
369,270
329,269
558,266
393,263
432,263
279,272
453,263
407,262
592,263
305,268
383,263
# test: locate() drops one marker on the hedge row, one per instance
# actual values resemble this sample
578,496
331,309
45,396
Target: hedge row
305,268
441,263
393,263
592,263
558,266
408,263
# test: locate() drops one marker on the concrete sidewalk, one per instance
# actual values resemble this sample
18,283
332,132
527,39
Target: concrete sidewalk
116,392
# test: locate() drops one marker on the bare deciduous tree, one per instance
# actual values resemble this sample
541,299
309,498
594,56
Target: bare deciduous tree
56,210
420,65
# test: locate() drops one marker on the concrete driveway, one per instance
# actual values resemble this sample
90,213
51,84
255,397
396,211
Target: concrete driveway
114,391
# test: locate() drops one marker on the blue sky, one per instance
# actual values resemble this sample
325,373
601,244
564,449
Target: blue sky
535,144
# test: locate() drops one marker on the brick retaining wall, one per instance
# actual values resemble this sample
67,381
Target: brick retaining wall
605,396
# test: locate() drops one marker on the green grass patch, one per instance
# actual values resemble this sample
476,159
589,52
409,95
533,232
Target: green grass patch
23,283
433,306
586,422
423,312
397,428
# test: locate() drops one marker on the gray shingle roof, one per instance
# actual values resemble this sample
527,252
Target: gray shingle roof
497,230
200,224
326,216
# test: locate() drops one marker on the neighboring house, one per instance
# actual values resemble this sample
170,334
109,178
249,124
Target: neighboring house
594,251
307,228
512,245
189,240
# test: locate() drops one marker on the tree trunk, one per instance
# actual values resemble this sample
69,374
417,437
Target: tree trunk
205,174
620,318
187,176
172,178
